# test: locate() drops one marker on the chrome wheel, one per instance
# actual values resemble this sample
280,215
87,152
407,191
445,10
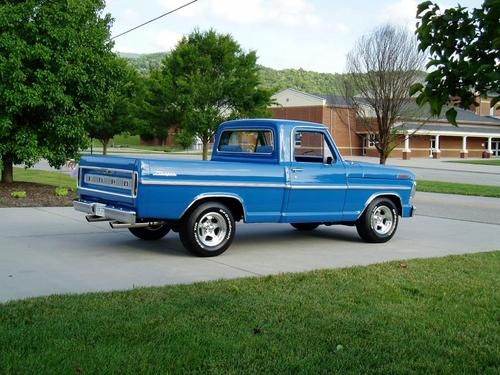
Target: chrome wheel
382,220
211,230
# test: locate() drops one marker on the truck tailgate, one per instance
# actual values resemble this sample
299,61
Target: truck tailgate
109,180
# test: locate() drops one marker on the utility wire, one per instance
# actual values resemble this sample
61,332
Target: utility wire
154,19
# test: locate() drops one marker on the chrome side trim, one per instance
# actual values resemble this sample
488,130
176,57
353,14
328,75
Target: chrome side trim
379,187
215,195
376,195
213,183
271,185
318,187
105,192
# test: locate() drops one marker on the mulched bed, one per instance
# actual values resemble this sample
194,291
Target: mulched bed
37,195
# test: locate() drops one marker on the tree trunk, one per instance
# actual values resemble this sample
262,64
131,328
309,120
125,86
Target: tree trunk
7,171
382,157
105,146
205,150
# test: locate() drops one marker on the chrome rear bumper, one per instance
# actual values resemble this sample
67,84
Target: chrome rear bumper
101,210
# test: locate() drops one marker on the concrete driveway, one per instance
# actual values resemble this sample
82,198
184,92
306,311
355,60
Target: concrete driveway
54,250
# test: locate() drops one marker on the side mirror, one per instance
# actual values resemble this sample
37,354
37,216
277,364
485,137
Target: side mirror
329,160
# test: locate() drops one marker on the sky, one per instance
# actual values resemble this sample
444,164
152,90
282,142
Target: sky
313,35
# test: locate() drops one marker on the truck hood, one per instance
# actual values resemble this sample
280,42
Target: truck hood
357,169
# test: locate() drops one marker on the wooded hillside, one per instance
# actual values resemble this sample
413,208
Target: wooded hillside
311,82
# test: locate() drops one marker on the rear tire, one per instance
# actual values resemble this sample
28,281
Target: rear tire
209,230
379,221
304,226
151,233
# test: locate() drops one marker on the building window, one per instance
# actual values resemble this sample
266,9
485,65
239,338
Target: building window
433,143
371,140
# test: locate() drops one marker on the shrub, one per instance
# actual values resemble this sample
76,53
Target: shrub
18,194
61,191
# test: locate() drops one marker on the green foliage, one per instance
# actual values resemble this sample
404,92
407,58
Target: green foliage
271,79
18,194
464,48
125,93
303,80
427,316
210,79
144,63
61,191
54,70
157,116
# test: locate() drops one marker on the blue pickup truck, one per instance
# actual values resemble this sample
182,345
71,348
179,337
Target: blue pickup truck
262,171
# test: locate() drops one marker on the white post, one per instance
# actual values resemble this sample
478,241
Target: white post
464,145
437,144
489,146
407,144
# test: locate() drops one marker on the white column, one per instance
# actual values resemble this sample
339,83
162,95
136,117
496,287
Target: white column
407,144
437,144
489,146
464,145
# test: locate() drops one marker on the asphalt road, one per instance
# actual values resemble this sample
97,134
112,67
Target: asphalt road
54,250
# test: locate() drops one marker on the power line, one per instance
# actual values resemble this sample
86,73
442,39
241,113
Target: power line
154,19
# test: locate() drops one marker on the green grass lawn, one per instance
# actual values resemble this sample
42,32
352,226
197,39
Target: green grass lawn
482,161
457,188
133,141
53,178
421,316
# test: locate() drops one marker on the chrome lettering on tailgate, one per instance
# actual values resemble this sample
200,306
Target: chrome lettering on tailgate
115,182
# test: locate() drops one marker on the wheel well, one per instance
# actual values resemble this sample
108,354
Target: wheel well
234,205
396,200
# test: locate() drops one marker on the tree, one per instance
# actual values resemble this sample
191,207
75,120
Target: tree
54,70
464,55
380,70
156,110
125,93
212,80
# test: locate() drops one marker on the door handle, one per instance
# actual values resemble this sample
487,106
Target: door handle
297,170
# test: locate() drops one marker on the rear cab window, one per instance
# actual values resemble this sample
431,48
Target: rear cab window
246,141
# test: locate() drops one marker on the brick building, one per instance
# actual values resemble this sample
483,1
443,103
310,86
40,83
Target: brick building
478,132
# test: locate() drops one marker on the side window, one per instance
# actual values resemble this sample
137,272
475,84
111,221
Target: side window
247,141
312,147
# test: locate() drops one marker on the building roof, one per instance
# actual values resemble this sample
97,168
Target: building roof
463,116
443,129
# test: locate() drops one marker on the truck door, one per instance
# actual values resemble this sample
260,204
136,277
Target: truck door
317,179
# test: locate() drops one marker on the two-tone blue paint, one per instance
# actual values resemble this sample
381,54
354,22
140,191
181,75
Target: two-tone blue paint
270,187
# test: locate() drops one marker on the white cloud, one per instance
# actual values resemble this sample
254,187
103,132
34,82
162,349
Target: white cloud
166,40
250,12
401,12
192,10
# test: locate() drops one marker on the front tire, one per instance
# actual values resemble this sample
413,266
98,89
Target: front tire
209,230
152,233
379,222
304,226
